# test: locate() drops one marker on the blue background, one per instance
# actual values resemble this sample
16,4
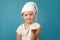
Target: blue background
48,17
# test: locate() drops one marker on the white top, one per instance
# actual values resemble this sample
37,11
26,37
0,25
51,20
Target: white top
26,34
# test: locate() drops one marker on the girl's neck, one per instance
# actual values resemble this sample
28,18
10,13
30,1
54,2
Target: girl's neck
27,25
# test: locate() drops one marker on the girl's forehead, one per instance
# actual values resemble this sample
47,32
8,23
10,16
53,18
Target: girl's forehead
27,12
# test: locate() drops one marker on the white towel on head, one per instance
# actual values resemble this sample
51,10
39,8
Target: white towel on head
30,6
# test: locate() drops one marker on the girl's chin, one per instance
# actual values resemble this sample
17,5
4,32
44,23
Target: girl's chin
29,22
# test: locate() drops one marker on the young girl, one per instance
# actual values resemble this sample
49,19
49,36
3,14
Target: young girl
29,30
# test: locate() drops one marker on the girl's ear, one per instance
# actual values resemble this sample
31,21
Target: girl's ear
35,13
22,15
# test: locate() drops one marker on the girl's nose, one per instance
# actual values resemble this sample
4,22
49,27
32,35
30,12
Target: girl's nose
28,16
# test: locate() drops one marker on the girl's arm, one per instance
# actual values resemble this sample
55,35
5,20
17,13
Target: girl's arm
35,34
18,36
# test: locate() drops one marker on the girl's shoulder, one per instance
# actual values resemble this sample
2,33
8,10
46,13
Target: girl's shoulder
20,26
19,29
37,24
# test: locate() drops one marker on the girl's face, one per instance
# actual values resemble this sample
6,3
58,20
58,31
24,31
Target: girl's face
29,16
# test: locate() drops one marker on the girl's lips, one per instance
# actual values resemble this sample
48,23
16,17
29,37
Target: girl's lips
28,19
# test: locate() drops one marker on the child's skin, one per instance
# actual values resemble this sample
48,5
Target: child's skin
29,18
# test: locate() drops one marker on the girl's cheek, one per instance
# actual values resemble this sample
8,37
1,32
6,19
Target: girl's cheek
33,18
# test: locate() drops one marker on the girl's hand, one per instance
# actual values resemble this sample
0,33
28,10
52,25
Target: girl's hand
33,30
33,34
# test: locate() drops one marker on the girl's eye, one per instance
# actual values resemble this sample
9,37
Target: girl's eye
26,15
31,14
